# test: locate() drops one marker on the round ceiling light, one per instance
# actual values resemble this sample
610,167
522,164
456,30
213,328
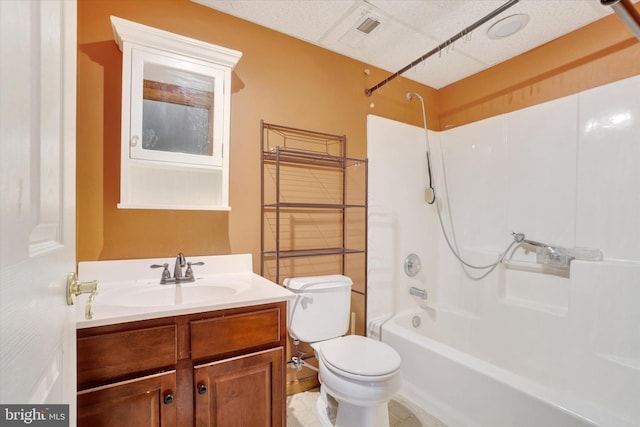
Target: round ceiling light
508,26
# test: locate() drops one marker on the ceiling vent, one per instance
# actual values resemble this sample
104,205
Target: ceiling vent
368,25
360,30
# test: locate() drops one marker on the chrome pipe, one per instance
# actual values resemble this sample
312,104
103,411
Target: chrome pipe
520,238
627,13
536,244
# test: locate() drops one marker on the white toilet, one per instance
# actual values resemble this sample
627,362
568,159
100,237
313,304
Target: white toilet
358,375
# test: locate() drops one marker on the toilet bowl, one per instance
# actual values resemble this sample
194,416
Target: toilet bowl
358,375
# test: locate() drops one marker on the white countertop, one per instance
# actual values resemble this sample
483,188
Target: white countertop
124,287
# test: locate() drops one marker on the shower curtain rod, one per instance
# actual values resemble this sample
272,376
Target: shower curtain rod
444,45
627,13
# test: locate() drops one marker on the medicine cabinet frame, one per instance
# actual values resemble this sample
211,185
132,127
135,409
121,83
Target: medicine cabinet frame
184,77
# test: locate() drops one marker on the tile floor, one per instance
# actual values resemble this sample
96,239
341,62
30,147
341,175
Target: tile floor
301,407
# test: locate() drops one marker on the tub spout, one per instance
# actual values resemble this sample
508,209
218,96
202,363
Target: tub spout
421,293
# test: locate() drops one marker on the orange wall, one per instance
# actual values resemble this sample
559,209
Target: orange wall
293,83
279,79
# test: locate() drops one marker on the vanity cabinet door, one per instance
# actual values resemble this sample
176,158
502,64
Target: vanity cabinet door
147,401
241,391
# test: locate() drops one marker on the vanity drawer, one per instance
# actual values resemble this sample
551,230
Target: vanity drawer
228,334
117,355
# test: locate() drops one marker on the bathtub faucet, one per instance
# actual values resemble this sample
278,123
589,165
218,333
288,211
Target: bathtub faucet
421,293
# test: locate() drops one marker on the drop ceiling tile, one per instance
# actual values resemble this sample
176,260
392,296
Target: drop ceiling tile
410,28
439,19
546,23
389,46
444,69
303,19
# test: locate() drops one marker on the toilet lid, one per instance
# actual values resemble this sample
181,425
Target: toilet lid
359,355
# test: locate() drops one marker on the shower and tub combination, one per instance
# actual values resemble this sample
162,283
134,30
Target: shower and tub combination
546,331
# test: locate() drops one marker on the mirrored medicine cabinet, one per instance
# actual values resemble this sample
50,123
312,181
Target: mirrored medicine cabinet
176,102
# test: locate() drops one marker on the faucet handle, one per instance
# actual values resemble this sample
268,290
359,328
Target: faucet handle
189,273
166,274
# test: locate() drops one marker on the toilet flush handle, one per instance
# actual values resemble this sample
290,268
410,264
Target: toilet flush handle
305,299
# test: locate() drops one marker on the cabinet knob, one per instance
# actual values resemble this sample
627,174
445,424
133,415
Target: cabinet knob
168,398
202,389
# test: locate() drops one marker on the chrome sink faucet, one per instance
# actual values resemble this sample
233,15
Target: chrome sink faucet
177,271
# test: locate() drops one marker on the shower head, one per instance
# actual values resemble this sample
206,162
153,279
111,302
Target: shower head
410,96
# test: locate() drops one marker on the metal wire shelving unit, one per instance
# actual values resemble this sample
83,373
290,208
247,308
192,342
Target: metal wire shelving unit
314,204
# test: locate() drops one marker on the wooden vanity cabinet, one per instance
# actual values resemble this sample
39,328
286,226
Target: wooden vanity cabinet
219,368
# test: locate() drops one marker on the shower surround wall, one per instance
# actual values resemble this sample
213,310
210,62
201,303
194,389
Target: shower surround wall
565,173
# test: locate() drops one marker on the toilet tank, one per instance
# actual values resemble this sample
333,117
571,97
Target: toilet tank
322,308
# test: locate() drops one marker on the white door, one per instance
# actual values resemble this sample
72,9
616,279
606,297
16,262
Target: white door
37,195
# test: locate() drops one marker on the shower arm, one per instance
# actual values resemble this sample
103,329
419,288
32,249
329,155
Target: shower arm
441,46
627,13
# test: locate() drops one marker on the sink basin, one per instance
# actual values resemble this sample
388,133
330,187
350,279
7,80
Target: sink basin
148,294
130,291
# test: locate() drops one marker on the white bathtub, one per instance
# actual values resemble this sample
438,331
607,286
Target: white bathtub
462,390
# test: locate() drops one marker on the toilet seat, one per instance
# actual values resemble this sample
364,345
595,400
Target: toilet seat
360,358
